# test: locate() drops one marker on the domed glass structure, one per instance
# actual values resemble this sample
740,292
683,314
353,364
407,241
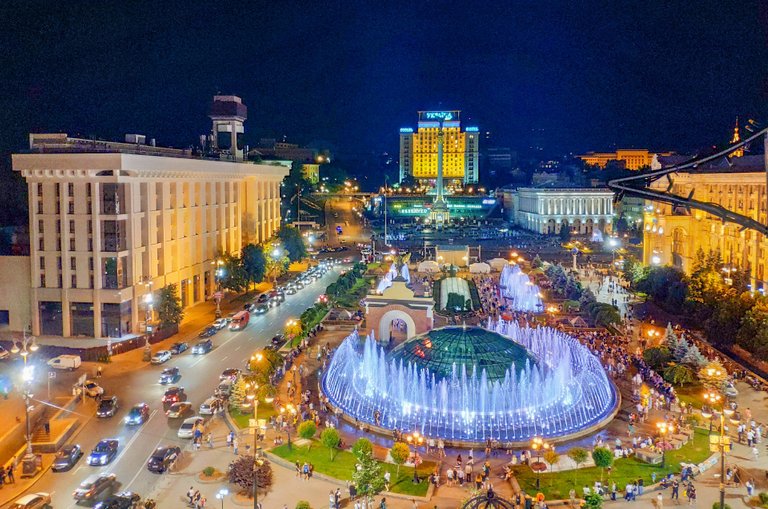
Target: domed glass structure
468,384
446,350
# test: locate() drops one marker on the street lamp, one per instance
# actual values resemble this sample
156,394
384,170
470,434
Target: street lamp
223,492
664,428
416,439
285,411
713,398
219,276
24,347
539,445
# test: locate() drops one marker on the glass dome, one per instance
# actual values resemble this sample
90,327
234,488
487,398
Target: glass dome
473,347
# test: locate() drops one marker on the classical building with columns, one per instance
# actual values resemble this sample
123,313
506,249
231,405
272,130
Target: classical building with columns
110,223
548,210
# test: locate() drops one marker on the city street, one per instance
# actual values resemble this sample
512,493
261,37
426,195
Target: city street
134,381
339,212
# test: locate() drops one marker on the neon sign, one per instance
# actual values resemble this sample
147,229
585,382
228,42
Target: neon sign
439,115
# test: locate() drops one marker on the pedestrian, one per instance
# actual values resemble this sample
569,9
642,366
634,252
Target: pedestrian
332,500
337,497
675,491
383,503
690,492
9,472
659,500
191,494
755,452
98,372
387,479
750,485
234,445
209,440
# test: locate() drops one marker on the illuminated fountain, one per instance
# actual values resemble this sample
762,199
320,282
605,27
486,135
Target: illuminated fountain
467,384
518,287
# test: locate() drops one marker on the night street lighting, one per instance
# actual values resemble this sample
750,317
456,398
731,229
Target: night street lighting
223,492
713,398
27,345
664,428
415,439
539,445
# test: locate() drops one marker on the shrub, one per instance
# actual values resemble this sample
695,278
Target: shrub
241,473
303,504
362,446
763,497
399,453
716,505
603,458
307,429
331,439
209,471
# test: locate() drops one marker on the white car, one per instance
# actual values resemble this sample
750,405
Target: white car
206,408
161,357
33,501
187,428
92,389
220,323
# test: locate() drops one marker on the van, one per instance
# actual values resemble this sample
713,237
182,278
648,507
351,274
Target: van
206,408
224,389
70,362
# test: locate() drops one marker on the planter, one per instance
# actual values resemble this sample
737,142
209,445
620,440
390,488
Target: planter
206,479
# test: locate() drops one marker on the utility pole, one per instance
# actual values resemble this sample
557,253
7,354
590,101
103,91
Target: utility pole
385,211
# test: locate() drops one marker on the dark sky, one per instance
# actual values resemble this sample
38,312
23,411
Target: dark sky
593,75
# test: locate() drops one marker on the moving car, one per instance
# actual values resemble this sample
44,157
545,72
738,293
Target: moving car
291,290
278,339
92,389
162,459
179,347
179,409
264,297
104,452
66,457
202,347
122,500
93,486
261,309
240,321
161,356
219,323
230,374
170,376
207,406
174,394
107,407
187,428
224,389
33,501
70,362
208,332
138,414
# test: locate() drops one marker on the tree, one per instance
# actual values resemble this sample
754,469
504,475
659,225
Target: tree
232,274
292,242
565,233
237,395
254,263
713,375
593,501
399,454
726,318
331,439
681,349
362,446
578,455
307,430
753,334
670,339
242,474
454,302
551,456
168,308
537,263
694,358
603,458
657,357
367,476
678,374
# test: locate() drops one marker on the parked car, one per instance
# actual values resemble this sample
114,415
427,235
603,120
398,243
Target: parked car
33,501
220,323
107,407
66,457
179,409
230,374
139,414
93,486
162,459
278,339
174,394
104,452
122,500
179,347
208,332
92,389
187,428
224,389
207,406
202,347
170,376
161,356
70,362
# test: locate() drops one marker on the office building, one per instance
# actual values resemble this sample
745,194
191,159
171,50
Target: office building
629,158
112,222
418,149
548,210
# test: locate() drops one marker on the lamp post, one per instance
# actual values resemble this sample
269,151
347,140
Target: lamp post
416,439
223,492
219,275
24,347
286,411
539,445
664,428
713,398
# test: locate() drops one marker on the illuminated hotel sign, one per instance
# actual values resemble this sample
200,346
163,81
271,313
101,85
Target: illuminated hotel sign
436,116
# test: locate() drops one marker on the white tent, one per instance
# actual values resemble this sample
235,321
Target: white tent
498,264
429,266
479,268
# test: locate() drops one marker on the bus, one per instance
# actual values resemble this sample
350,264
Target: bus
240,321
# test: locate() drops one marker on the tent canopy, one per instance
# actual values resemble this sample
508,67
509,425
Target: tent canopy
479,268
497,263
429,266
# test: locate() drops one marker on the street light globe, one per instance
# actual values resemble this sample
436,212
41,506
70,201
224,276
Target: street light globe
34,346
15,348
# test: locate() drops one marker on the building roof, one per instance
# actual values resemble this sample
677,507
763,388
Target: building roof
744,164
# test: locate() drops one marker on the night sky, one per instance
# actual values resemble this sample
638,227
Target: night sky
592,75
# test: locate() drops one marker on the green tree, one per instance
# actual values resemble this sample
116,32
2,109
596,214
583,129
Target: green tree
593,501
399,454
753,334
233,275
603,458
237,395
678,374
292,242
726,318
254,263
169,310
657,357
551,456
307,430
565,233
331,439
713,375
579,456
362,446
454,302
367,477
537,263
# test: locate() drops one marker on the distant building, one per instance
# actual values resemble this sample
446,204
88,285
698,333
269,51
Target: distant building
111,223
632,159
548,210
271,148
311,172
418,149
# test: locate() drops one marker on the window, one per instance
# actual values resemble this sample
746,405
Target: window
39,207
58,226
58,244
90,244
42,263
90,263
72,244
88,190
90,282
71,226
58,190
73,263
58,262
40,244
40,226
58,207
71,207
73,281
39,190
71,189
42,280
90,226
61,283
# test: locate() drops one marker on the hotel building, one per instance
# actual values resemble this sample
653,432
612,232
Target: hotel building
673,234
418,149
112,222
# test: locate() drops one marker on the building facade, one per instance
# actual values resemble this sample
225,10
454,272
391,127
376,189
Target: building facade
632,159
418,149
549,210
111,223
673,235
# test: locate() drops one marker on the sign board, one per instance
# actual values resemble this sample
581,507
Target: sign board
82,379
218,295
251,423
51,374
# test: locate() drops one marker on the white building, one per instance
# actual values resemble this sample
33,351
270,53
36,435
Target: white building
110,223
547,210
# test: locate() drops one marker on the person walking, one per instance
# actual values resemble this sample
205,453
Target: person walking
9,473
675,491
659,500
235,443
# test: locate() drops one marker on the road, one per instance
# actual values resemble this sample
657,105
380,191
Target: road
200,375
352,227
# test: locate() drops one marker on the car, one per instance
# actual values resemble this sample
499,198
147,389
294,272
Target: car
208,332
122,500
179,409
299,285
104,452
278,339
261,309
33,501
187,428
264,297
170,376
224,389
93,486
4,354
179,347
207,406
161,356
273,303
163,458
66,457
230,374
107,407
139,414
291,290
92,389
219,323
174,394
202,347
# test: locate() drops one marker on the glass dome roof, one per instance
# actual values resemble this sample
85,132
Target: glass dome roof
439,349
